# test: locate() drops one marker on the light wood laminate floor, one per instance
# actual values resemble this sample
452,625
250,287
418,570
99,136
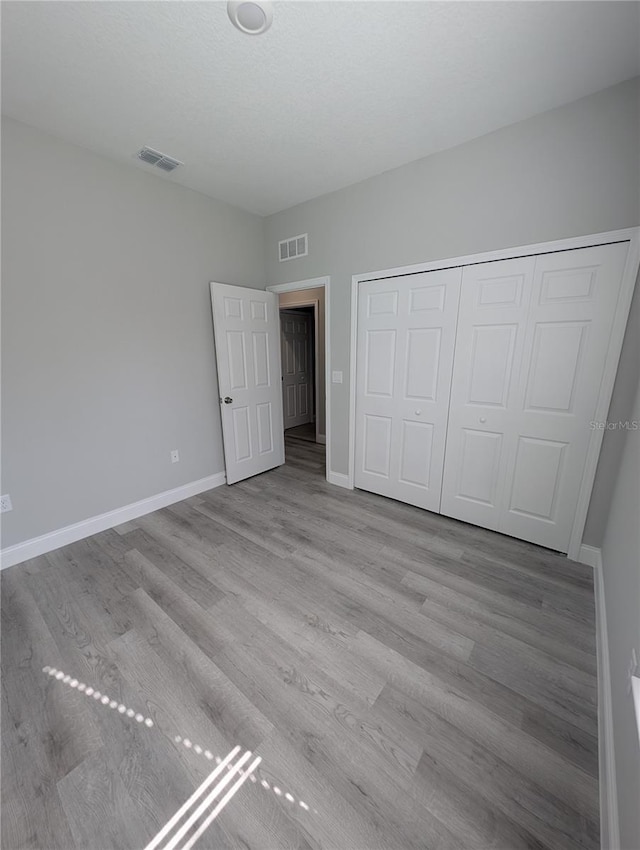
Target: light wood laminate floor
417,682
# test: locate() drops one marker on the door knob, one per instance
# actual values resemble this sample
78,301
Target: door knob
418,412
483,419
227,400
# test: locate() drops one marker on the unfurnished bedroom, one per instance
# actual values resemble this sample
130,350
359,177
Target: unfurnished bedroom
320,472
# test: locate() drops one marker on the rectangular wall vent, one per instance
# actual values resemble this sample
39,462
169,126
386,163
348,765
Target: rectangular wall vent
160,160
295,246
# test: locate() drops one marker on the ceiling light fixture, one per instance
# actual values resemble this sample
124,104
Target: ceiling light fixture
252,17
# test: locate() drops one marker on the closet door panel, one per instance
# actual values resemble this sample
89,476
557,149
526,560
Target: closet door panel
571,314
532,339
406,333
492,318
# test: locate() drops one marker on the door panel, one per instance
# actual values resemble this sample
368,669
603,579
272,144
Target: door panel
554,367
380,362
574,298
492,351
377,445
297,377
531,345
261,358
422,363
246,330
479,466
537,474
406,332
415,453
492,318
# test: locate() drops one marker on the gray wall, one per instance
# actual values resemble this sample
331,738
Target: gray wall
108,359
302,296
568,172
621,575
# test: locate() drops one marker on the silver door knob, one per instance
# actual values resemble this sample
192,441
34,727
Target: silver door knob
228,400
418,412
483,419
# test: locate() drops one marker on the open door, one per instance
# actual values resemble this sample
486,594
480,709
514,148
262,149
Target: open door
246,327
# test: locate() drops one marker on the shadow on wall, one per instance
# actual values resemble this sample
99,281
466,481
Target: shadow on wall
613,443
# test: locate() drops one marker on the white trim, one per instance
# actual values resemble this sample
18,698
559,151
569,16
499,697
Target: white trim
353,347
589,555
94,525
313,283
340,480
609,824
310,283
631,235
626,235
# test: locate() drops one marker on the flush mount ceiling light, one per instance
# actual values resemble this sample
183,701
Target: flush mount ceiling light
252,17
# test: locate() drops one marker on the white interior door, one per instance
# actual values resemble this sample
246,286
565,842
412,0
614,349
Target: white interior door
297,373
531,345
406,332
247,330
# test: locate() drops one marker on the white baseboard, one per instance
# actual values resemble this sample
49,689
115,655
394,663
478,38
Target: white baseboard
321,438
339,479
589,555
79,530
609,825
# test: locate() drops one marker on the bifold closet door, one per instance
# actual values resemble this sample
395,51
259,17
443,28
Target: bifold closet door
532,340
406,333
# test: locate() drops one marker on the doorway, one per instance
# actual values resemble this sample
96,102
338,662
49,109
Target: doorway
303,341
314,294
299,380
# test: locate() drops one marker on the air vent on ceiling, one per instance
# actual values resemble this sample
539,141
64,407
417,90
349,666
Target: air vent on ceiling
295,246
161,160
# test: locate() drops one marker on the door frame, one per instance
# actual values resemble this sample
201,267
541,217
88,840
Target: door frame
315,283
312,302
631,235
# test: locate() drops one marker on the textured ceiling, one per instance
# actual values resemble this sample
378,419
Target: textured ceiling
335,92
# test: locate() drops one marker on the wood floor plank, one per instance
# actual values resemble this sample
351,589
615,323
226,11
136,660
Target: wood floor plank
524,754
96,803
231,712
531,613
184,577
512,792
314,721
444,602
574,702
415,681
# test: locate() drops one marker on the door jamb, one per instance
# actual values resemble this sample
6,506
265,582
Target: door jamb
631,235
314,283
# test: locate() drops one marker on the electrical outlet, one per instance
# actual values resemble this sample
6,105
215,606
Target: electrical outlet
632,669
175,456
5,504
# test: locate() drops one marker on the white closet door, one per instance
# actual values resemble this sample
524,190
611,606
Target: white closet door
494,303
531,345
406,332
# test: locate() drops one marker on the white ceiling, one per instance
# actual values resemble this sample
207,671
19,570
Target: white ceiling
334,93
